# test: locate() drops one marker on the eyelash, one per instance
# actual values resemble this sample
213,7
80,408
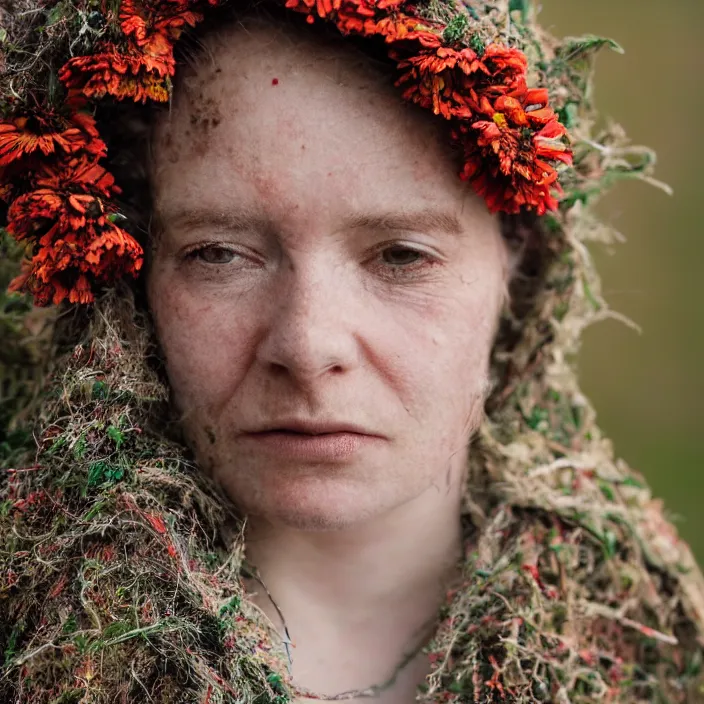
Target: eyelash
195,254
413,269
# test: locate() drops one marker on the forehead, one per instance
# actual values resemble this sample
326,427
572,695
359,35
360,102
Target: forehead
299,128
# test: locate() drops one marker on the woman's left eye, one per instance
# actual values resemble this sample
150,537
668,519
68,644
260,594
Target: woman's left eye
401,256
214,254
398,261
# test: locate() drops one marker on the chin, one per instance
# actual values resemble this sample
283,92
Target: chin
312,521
321,503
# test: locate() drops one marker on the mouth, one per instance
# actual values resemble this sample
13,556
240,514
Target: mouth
305,428
291,431
311,442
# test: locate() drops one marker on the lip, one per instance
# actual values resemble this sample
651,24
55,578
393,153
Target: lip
311,442
311,427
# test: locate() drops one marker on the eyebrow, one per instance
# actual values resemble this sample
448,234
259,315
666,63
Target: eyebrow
236,219
231,219
421,220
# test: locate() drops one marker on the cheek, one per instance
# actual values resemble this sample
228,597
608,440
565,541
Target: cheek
449,336
206,345
444,359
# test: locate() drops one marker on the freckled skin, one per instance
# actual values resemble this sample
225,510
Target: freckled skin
308,319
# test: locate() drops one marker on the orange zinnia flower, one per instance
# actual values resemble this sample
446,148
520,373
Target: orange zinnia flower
139,68
78,182
31,212
122,72
323,8
356,16
76,243
442,79
63,269
504,61
155,26
45,212
144,19
403,28
68,221
77,174
26,135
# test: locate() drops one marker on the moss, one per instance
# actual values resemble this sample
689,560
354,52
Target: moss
118,569
456,28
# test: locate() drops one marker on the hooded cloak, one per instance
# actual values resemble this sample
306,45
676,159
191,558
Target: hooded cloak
121,564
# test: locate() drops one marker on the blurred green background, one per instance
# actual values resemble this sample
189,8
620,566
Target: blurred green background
649,388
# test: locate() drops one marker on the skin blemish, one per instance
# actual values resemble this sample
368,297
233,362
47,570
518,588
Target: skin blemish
205,115
211,434
169,145
274,81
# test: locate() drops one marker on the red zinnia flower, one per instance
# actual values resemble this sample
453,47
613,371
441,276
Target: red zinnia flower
363,16
30,212
76,243
140,70
43,213
78,182
321,8
507,162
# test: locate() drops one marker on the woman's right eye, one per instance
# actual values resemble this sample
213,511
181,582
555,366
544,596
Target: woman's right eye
213,254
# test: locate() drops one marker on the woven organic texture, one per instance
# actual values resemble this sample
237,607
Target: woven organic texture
120,565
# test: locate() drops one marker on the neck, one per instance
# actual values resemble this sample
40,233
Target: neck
404,552
380,581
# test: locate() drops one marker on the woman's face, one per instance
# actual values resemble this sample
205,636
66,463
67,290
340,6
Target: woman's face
325,288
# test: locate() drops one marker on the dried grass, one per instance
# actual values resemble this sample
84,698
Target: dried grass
121,564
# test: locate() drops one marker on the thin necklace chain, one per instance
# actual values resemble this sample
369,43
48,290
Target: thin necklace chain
368,692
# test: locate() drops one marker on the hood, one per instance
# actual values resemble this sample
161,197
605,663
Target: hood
121,565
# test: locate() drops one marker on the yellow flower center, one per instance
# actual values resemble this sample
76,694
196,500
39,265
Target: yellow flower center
500,120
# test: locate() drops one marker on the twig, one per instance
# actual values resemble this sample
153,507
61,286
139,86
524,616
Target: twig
647,631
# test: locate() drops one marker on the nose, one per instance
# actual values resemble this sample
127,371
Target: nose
310,333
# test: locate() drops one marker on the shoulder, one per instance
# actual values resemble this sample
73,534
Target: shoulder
576,589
